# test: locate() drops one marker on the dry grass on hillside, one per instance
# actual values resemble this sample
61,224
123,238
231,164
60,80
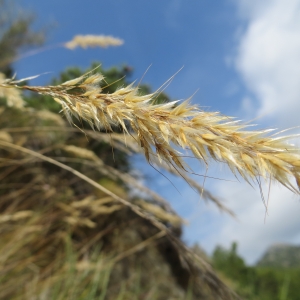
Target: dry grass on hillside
69,229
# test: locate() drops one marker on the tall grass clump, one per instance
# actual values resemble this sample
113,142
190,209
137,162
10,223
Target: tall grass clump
70,228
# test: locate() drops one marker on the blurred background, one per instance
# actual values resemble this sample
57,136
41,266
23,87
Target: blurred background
238,57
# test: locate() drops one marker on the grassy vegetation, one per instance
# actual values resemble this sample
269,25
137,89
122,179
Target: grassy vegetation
158,128
257,282
70,227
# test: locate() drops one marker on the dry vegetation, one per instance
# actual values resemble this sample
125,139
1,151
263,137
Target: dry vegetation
70,228
72,208
160,127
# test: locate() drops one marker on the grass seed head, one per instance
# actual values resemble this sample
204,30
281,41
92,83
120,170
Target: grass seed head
86,41
160,127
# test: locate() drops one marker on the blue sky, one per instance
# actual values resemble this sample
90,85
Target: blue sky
166,34
243,59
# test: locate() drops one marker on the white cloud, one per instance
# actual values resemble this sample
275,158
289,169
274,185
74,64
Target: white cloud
268,60
269,57
253,232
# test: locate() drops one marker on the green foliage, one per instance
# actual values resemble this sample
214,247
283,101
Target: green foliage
277,283
80,285
15,34
233,266
257,283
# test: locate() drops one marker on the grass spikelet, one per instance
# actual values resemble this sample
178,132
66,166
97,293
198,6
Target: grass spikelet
159,128
81,152
86,41
160,213
12,95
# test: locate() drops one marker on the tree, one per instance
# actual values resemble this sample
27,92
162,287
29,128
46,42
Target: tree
16,34
233,266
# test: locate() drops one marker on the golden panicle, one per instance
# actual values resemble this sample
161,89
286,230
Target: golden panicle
160,127
81,152
85,41
5,136
12,95
161,213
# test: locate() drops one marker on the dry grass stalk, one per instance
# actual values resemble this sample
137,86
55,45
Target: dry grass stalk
85,41
252,154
